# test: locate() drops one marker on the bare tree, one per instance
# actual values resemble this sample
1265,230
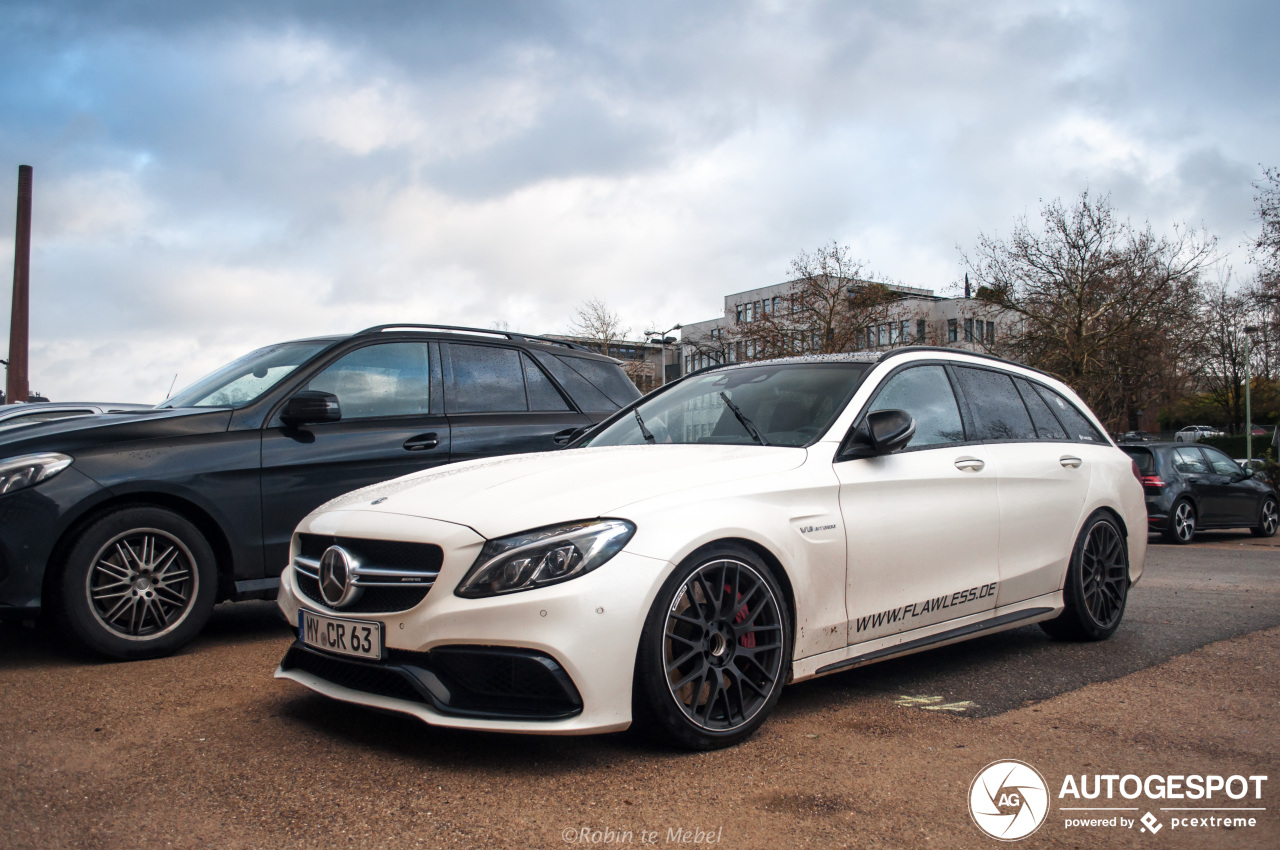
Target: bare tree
1109,308
1266,247
832,303
1226,314
594,320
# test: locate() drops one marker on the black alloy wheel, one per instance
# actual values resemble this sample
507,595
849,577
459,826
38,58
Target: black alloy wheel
137,583
1182,523
715,650
1268,519
1097,584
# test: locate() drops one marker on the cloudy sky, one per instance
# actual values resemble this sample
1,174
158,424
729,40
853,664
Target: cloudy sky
210,177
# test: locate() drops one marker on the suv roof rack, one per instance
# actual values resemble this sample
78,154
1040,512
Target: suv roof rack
490,331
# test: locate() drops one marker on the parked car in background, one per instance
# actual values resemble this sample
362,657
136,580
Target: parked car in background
1138,437
130,527
1191,488
1195,433
744,527
16,415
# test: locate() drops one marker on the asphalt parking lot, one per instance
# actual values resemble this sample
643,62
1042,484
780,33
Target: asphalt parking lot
207,750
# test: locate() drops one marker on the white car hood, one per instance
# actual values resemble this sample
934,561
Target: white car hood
504,495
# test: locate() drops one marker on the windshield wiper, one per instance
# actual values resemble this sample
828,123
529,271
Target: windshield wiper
644,432
742,417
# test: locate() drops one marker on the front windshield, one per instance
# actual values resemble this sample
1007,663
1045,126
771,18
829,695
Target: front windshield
241,381
787,404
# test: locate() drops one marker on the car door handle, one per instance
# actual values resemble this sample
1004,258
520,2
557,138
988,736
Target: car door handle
563,438
1193,479
970,464
1070,460
422,442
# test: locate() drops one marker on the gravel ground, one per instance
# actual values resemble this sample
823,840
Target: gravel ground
207,750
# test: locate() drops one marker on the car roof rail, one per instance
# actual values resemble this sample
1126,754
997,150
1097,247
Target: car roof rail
489,331
911,349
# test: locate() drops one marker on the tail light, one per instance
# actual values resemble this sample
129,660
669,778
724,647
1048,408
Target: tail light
1151,481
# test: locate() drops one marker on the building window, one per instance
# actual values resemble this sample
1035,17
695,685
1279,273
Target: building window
882,334
893,333
775,303
968,330
740,316
904,333
991,332
921,330
951,330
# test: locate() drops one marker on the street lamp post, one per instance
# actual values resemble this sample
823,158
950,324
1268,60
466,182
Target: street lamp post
1248,407
662,341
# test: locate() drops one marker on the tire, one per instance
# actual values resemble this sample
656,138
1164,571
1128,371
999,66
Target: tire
1182,523
1268,519
1097,585
137,583
715,651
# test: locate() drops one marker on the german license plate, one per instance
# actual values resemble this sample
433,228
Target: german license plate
361,638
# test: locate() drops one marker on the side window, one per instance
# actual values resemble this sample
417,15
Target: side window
996,405
542,393
1222,464
486,379
925,393
589,399
607,377
1189,461
379,380
1047,425
1078,427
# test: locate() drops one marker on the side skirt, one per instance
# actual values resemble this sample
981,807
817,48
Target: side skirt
1000,622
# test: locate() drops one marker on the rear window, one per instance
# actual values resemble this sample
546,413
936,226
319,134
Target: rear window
1145,460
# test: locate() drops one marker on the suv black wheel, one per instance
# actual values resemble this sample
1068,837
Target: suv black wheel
714,652
1097,584
138,583
1268,519
1182,523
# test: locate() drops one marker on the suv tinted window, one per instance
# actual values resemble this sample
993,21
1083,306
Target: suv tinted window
588,398
1047,425
925,393
604,376
486,379
379,380
1189,461
1078,427
542,393
1222,464
995,405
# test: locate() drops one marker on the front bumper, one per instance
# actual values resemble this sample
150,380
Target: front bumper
589,628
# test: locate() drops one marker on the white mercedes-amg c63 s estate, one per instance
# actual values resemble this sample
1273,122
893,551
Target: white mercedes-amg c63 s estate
747,526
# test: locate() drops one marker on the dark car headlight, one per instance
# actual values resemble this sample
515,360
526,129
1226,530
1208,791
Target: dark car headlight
544,556
29,470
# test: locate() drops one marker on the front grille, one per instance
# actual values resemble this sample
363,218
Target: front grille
394,575
490,682
391,554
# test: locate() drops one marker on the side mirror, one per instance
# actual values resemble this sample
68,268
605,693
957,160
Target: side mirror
882,432
309,406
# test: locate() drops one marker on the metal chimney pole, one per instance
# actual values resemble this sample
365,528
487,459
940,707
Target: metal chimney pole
16,387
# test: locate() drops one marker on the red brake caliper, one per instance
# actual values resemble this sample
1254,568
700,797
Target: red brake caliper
747,641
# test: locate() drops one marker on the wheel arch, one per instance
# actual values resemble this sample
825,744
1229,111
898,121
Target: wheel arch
772,561
188,510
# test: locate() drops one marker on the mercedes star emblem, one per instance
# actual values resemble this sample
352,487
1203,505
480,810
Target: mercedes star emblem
337,582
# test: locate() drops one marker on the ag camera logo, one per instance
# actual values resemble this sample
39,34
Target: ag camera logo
1008,800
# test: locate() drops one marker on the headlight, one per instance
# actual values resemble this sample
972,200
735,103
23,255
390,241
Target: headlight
28,470
544,556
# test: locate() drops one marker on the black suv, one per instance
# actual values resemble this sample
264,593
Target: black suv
130,526
1191,487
